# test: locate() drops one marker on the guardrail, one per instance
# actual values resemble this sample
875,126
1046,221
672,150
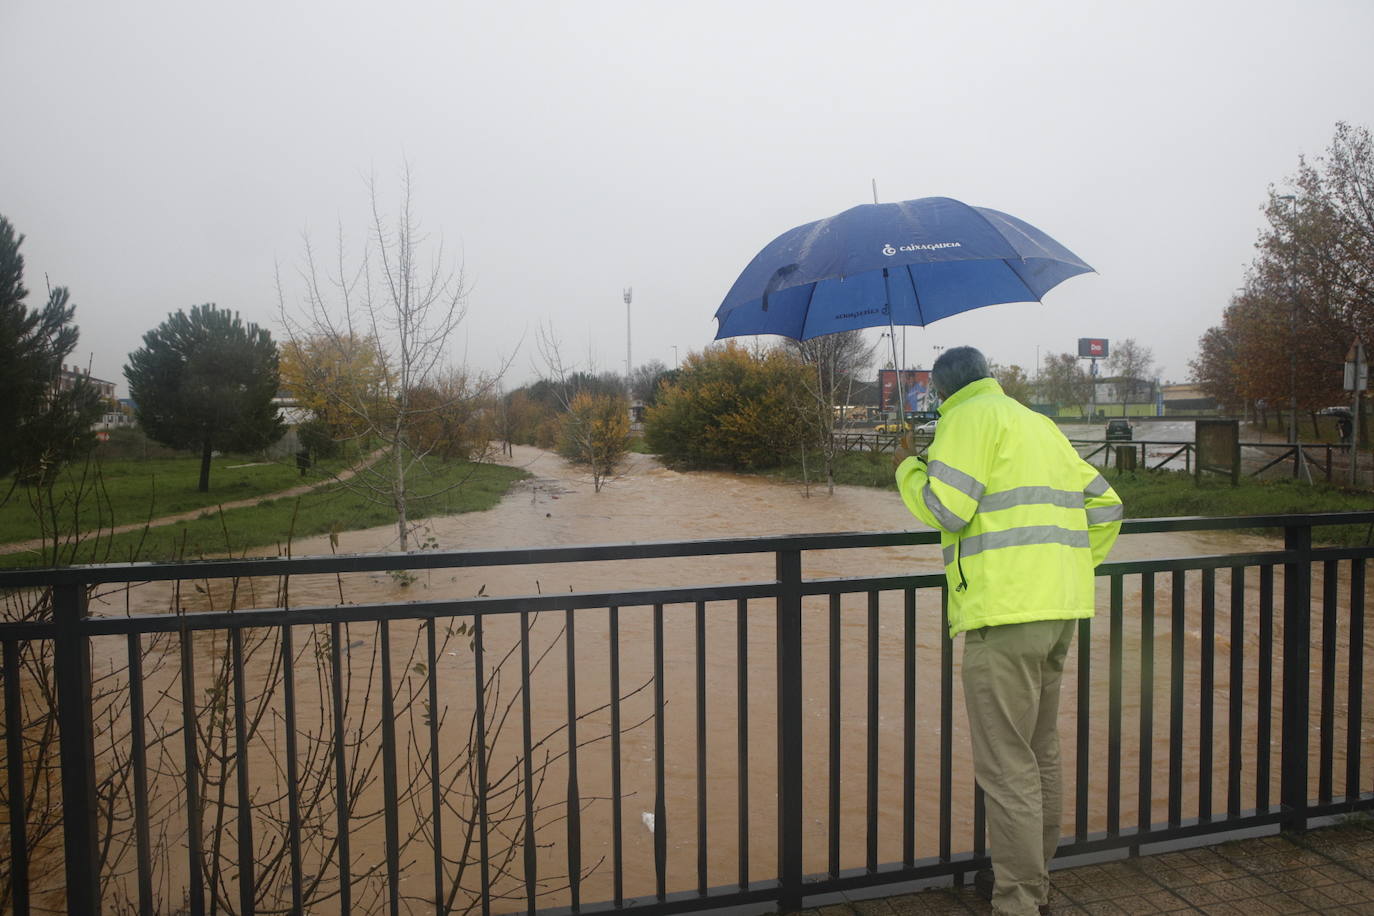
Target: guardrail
1287,451
1262,715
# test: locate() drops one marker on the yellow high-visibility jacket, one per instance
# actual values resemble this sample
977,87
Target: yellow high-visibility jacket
1024,520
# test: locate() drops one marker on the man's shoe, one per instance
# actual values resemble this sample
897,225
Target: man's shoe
983,883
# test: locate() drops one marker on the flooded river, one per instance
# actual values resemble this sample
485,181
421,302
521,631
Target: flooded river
647,502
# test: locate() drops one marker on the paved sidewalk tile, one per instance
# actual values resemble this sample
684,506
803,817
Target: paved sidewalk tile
1328,870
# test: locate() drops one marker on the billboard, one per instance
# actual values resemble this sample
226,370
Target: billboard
915,385
1092,348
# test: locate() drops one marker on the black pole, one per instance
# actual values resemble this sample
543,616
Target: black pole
72,671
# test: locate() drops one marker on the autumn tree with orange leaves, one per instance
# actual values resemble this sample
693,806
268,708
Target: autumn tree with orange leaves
1308,293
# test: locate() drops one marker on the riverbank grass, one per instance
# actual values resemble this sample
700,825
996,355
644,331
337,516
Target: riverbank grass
1167,494
127,491
271,525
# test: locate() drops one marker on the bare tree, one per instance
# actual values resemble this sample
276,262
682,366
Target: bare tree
404,298
834,360
1134,365
646,378
1063,381
1014,381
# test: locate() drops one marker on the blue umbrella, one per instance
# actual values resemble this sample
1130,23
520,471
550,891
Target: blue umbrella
906,263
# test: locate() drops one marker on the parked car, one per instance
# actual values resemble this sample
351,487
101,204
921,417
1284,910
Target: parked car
1119,430
927,428
892,428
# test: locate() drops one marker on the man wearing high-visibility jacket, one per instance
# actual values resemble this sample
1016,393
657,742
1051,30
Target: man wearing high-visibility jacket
1024,521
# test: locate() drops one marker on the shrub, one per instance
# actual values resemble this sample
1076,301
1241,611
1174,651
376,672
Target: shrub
595,433
730,407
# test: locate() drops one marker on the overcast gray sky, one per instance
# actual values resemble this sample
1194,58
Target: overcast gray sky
162,154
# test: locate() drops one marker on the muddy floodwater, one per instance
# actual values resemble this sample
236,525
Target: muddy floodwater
558,507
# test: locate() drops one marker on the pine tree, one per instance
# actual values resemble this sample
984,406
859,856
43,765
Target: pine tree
205,381
45,426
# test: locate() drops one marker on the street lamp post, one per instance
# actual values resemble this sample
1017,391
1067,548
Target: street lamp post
629,366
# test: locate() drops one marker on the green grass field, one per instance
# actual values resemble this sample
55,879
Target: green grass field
130,491
264,529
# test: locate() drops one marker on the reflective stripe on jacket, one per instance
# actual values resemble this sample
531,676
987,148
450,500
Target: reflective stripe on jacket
1024,520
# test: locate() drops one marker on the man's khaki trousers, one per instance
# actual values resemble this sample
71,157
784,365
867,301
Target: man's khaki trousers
1011,676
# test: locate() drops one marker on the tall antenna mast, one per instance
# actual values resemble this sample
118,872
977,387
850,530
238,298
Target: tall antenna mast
629,294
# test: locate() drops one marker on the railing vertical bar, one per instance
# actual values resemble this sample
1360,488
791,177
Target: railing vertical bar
701,746
834,737
617,803
980,821
293,805
390,821
871,837
1355,696
14,762
1295,744
660,802
479,704
946,728
574,797
138,754
245,786
194,835
1205,738
742,732
531,862
1081,728
1114,673
789,704
1327,766
1145,796
909,729
72,672
1235,715
336,638
1178,633
436,794
1265,711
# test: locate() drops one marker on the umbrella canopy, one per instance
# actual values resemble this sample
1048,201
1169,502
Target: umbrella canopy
907,263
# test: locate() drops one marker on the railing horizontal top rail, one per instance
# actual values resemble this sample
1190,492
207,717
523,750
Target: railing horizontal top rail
508,604
452,559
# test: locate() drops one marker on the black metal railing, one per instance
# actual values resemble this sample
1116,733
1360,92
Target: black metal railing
1314,455
253,794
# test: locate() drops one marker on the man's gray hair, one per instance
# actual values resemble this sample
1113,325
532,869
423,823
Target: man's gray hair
957,367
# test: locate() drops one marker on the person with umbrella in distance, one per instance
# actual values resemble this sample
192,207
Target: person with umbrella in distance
1024,522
